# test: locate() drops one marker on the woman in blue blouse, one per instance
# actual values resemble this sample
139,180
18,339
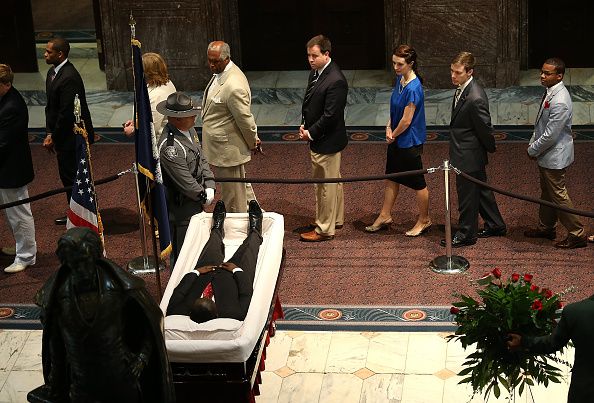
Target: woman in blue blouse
405,134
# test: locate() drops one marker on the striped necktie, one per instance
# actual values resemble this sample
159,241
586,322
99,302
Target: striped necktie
457,96
311,86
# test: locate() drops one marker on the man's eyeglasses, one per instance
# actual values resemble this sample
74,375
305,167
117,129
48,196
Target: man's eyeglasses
548,73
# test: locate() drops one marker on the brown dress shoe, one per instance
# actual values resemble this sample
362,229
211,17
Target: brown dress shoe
314,225
540,233
313,236
572,242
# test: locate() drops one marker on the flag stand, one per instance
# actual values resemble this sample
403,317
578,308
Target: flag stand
448,264
142,264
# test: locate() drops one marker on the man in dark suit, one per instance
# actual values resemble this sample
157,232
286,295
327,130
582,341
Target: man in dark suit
62,84
576,324
16,170
471,137
231,282
323,126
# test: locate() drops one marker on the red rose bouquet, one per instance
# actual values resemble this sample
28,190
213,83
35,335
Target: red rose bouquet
515,305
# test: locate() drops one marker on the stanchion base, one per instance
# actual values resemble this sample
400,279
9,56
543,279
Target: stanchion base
445,265
137,266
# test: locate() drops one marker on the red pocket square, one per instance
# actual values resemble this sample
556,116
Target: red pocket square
547,105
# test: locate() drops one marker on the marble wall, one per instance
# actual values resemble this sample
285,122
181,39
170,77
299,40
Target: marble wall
438,29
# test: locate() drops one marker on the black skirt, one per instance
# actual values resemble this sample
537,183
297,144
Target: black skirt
406,159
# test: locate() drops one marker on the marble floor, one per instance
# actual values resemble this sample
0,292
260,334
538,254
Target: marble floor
277,96
309,367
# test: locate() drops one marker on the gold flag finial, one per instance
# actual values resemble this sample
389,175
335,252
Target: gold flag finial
132,24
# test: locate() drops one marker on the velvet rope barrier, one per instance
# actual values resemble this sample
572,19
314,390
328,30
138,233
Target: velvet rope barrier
589,214
522,197
61,190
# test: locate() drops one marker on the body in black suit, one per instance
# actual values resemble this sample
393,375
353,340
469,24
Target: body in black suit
576,324
16,165
471,137
232,291
323,125
59,118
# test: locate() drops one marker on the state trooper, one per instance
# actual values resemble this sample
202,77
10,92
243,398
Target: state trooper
187,177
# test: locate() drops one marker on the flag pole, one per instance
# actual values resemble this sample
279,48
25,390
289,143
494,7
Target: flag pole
144,264
140,263
149,203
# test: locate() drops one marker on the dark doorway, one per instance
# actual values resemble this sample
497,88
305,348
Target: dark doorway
274,33
16,34
560,29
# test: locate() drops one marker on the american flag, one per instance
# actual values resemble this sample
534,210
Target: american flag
83,203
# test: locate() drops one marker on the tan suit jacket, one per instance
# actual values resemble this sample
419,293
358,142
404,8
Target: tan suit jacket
229,130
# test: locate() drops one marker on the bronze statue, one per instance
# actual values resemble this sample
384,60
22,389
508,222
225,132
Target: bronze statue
102,331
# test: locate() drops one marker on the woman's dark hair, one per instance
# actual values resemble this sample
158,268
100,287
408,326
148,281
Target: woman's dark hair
409,54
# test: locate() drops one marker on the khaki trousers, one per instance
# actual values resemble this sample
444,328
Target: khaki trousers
329,196
235,195
552,188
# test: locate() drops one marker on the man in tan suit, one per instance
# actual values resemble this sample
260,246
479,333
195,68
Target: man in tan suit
229,131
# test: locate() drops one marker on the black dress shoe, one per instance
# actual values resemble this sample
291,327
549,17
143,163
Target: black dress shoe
489,232
572,242
218,217
60,221
459,241
255,216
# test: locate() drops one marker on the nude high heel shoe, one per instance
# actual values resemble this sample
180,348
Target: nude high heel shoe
383,225
423,229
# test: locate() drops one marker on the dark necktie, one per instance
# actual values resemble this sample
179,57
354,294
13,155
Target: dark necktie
541,105
52,74
310,87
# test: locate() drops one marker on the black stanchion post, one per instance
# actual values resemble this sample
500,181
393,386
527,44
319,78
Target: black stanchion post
448,264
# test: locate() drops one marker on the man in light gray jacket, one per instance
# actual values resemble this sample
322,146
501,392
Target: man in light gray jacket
552,146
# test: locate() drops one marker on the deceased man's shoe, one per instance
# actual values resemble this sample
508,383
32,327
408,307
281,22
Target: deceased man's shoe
255,216
218,216
313,236
572,242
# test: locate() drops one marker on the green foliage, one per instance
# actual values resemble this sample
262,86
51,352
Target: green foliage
513,306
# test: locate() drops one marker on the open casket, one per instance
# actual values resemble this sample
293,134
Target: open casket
220,360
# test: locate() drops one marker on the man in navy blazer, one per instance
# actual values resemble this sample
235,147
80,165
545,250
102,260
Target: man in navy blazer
16,170
62,84
552,146
323,126
471,137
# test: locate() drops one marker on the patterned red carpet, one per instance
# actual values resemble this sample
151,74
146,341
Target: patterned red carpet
356,268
